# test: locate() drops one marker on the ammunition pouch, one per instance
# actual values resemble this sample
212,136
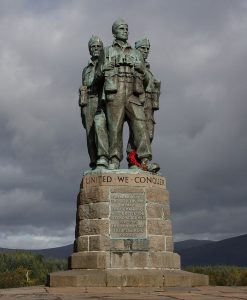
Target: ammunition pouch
138,87
156,95
110,81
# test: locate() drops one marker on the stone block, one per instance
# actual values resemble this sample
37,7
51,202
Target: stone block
169,244
117,244
159,227
129,245
93,211
129,260
99,242
77,278
137,244
140,259
157,196
90,260
135,278
166,212
167,260
154,210
81,244
156,243
93,195
93,227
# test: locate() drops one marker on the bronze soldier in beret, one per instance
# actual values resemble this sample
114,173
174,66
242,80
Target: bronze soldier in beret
152,93
92,110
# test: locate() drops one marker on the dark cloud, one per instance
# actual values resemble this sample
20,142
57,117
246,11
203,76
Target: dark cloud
198,51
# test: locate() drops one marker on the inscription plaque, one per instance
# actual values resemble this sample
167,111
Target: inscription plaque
106,179
127,215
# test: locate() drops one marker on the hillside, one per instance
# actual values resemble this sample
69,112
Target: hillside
59,252
190,243
232,251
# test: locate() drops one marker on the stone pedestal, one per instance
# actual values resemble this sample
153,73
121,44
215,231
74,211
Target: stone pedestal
124,234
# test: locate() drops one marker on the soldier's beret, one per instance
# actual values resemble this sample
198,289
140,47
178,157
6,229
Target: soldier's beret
94,39
142,42
117,23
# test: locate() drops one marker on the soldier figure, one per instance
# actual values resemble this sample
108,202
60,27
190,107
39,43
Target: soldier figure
122,69
151,86
92,114
152,93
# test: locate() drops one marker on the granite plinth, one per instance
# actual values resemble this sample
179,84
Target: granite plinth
123,234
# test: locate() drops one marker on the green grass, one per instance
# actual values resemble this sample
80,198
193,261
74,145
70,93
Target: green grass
222,275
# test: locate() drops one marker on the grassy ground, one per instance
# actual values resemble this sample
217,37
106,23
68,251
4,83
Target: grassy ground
222,275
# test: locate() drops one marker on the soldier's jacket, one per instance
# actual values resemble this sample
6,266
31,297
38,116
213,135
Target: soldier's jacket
123,60
88,88
152,87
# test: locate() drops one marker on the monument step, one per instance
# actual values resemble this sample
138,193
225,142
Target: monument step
126,278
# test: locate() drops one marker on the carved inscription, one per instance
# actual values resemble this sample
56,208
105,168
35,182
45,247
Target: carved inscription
128,215
133,179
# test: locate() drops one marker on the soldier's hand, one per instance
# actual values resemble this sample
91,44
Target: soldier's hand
139,67
108,66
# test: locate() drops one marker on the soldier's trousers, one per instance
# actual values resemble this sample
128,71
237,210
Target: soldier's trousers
96,131
149,116
120,108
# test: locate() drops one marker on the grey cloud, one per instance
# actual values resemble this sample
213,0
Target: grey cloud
198,51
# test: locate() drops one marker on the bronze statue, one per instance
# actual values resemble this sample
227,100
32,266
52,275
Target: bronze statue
92,113
118,86
152,93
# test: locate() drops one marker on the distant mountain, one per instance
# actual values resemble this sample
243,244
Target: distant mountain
59,252
232,251
178,246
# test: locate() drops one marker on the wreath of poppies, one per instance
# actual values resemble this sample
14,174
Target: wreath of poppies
134,161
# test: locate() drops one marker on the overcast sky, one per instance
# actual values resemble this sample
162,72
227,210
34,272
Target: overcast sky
198,51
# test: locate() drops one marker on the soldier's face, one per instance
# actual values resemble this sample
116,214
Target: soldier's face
122,32
95,49
144,51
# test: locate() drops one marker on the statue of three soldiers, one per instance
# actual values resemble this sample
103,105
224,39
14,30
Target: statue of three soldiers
118,86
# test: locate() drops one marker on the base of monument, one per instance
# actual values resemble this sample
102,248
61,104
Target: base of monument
126,278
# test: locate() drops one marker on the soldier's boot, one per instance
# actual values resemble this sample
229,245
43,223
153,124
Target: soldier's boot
149,166
102,162
114,163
